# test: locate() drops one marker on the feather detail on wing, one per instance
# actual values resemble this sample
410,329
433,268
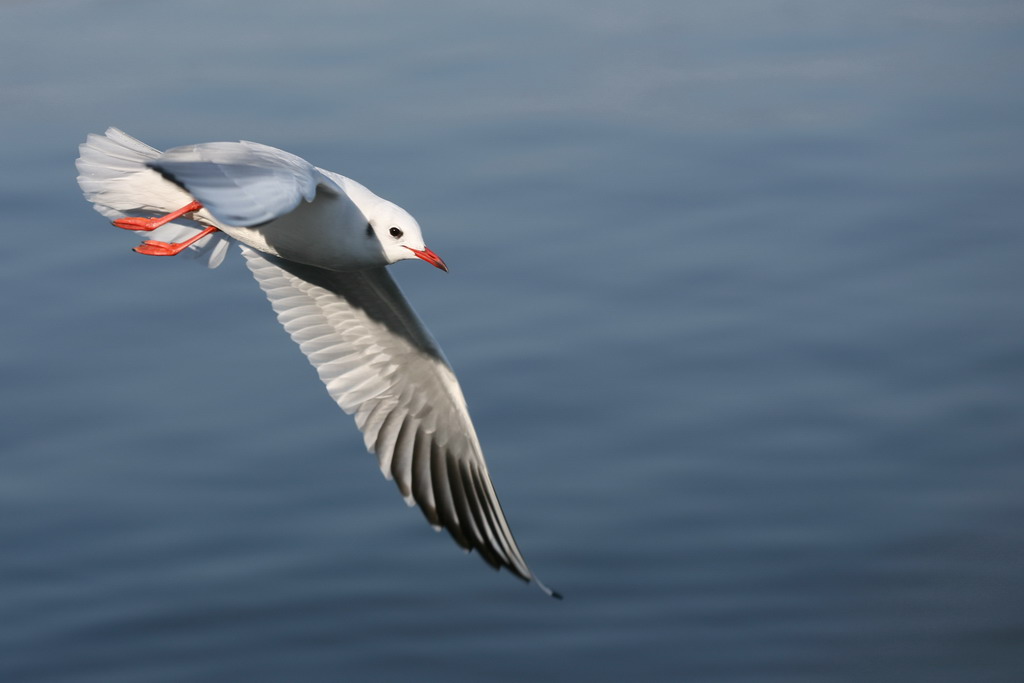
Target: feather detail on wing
382,366
243,183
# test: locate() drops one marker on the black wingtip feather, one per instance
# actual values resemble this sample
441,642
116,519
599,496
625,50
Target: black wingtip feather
422,488
442,497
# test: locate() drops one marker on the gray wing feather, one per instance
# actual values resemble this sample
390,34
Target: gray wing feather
243,183
382,366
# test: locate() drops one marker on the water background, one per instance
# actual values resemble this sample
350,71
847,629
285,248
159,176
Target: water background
737,301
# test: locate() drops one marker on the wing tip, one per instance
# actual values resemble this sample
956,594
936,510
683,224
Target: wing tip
547,591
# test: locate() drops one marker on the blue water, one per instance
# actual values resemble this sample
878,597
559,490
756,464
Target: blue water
736,300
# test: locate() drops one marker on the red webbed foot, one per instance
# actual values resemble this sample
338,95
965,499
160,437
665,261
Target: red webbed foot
155,248
147,224
134,223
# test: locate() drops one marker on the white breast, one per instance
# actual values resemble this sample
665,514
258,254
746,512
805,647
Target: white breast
329,232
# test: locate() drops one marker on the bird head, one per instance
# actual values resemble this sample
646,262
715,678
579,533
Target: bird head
399,235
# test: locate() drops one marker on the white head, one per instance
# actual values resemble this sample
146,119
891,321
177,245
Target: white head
399,235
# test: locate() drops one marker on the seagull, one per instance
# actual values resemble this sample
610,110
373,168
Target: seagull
318,243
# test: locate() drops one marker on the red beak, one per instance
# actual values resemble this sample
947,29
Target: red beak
430,257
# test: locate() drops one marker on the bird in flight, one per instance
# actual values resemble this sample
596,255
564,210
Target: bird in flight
318,244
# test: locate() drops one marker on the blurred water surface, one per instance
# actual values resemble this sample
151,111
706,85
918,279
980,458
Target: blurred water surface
736,301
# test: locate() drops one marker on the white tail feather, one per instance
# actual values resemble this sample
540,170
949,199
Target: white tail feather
113,175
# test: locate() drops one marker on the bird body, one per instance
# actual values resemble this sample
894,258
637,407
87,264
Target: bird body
318,243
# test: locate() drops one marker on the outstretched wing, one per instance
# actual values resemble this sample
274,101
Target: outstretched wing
381,365
243,183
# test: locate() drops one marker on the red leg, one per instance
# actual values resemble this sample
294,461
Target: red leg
134,223
155,248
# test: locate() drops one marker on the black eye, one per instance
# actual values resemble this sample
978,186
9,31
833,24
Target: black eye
395,232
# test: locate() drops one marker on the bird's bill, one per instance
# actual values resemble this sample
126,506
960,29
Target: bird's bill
430,257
